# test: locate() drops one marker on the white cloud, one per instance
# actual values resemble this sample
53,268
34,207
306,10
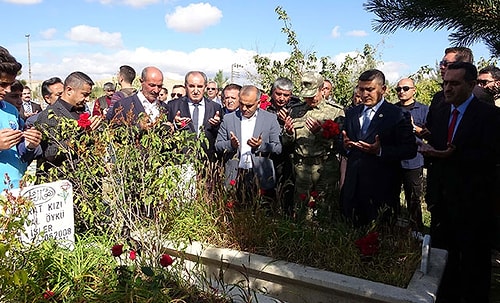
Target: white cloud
357,33
28,2
193,18
133,3
394,71
94,35
335,32
340,57
48,33
140,3
174,64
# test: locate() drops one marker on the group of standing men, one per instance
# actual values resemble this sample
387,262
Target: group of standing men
294,146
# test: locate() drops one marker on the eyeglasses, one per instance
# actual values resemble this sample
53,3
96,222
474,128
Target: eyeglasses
405,88
484,82
445,63
211,88
172,95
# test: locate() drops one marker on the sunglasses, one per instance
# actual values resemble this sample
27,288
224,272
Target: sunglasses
172,95
405,88
484,82
211,88
445,63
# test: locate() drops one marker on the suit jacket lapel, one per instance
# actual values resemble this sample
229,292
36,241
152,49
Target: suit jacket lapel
138,107
257,130
237,126
208,111
468,118
355,126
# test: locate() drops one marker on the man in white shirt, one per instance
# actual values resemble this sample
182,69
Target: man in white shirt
145,101
247,138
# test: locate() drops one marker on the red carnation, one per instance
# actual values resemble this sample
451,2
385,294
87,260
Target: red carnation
48,294
302,196
314,194
166,260
264,103
330,129
232,182
230,204
117,250
311,204
368,245
132,255
84,121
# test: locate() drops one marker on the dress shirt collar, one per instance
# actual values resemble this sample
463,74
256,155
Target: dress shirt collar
462,107
375,107
191,103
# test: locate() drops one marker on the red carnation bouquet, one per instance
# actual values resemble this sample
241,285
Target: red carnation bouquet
330,128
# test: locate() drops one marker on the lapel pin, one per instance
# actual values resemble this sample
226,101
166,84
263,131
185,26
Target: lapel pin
381,115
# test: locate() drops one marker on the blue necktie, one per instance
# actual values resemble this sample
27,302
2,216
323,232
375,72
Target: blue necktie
196,113
366,120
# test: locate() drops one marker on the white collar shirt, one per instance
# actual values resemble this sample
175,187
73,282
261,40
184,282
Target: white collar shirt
201,113
247,128
152,109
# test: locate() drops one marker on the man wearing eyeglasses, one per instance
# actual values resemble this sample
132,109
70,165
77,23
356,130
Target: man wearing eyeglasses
462,150
412,169
178,91
213,92
489,79
452,55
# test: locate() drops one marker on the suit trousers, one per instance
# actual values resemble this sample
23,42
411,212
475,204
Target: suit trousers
412,187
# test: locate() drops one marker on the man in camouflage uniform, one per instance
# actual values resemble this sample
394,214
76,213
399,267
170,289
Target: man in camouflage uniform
316,144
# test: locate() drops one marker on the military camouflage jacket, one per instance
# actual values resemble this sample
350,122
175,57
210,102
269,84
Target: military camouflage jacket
306,143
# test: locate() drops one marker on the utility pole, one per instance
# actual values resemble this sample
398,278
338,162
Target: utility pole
29,59
233,72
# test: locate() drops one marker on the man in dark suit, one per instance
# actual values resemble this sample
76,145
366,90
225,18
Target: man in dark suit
377,136
461,152
248,137
29,108
71,104
195,113
144,107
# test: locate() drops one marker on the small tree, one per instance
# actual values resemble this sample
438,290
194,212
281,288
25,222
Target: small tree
344,75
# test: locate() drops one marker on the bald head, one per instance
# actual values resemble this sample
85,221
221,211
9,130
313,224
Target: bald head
151,82
405,90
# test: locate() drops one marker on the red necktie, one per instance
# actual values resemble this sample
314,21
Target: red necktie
453,122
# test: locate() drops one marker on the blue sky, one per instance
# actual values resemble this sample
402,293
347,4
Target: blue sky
97,36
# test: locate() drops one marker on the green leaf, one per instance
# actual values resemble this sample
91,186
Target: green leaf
147,271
